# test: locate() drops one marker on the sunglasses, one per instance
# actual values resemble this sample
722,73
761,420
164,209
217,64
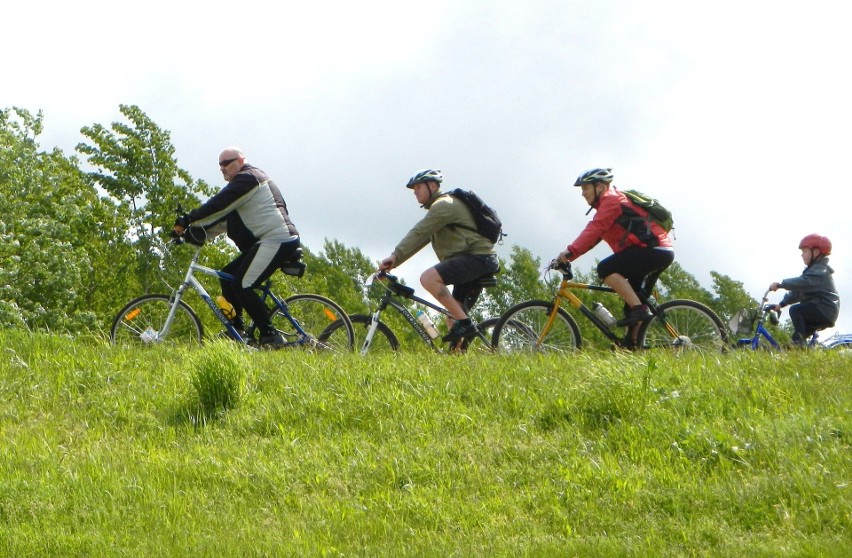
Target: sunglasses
227,162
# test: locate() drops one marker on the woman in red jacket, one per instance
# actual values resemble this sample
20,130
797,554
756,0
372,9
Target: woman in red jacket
640,245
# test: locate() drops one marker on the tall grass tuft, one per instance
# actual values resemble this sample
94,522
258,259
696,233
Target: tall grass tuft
218,378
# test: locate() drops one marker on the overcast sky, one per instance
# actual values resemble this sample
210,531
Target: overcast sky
735,113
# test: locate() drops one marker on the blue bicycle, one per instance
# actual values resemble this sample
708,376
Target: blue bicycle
750,330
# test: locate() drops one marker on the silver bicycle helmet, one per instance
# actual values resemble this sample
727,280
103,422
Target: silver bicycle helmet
425,175
594,175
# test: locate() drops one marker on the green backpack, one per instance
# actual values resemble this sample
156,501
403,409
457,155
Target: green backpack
655,209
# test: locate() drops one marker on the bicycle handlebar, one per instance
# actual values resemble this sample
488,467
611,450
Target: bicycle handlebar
769,308
394,285
563,267
385,275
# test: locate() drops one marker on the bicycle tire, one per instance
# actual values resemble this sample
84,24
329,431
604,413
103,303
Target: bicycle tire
841,346
327,325
519,328
148,313
697,326
384,340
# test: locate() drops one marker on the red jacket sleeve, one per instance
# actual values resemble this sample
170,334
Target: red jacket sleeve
608,210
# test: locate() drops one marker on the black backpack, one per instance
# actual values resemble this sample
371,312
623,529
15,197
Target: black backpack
488,224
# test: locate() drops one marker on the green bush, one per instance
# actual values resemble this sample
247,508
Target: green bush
217,376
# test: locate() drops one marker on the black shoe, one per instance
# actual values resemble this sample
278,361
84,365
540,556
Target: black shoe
243,335
636,315
272,341
462,329
627,342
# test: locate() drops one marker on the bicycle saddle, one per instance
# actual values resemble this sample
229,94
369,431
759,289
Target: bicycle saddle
486,281
295,266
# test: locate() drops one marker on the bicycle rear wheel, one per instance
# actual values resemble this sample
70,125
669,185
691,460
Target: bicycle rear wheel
141,319
521,330
323,320
685,324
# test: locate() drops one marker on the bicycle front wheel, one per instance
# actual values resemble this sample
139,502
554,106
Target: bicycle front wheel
142,320
683,324
524,329
384,340
324,322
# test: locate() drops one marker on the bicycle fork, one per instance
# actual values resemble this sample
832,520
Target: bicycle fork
371,331
151,336
545,331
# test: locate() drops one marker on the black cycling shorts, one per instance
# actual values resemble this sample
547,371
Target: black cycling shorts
636,263
465,268
462,271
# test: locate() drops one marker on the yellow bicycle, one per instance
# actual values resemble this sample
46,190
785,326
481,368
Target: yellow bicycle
542,326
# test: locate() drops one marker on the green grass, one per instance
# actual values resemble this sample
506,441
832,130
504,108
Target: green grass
109,452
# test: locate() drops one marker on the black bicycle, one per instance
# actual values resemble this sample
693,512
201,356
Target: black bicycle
376,336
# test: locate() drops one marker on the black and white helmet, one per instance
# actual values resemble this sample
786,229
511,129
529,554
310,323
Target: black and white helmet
425,175
594,175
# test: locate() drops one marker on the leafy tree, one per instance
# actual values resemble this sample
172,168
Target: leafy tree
136,167
337,272
520,279
676,282
731,296
57,250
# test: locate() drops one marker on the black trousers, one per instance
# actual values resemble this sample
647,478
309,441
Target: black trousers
250,269
807,319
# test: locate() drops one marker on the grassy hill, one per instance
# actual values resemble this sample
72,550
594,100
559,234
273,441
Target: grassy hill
218,452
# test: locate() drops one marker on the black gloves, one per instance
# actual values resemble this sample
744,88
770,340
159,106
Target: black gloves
195,235
182,221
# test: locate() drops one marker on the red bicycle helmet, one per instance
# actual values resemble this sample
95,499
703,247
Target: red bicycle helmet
816,241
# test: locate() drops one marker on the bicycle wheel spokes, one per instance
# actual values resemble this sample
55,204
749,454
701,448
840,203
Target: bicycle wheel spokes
688,325
326,324
139,322
524,328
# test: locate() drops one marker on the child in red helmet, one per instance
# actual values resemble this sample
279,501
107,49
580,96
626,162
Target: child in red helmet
817,303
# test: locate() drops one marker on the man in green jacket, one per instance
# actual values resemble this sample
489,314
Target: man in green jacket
464,255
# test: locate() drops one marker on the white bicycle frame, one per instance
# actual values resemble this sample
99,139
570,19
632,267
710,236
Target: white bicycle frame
190,281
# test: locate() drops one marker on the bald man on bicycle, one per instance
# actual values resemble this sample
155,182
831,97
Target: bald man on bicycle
464,254
640,246
252,210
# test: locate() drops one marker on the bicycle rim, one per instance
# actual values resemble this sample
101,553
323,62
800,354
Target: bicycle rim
687,325
326,324
522,330
139,321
